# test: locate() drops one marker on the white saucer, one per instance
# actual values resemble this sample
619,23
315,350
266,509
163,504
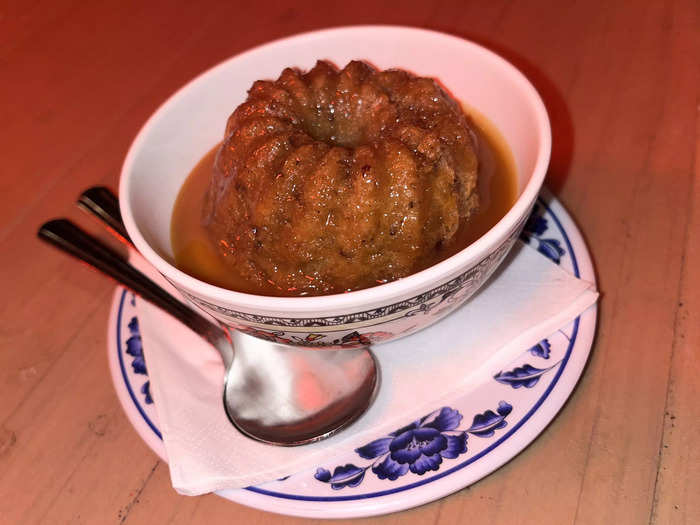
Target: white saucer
499,419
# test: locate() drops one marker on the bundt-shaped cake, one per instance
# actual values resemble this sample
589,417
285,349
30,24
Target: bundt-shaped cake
332,180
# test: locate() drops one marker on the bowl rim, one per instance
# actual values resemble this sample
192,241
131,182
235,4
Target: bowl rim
405,287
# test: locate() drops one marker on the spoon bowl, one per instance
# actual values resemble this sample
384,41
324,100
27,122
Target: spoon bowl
292,395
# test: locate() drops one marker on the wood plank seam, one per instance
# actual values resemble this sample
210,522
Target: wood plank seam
124,514
676,340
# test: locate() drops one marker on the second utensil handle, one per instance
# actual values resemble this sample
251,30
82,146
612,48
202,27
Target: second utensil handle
103,203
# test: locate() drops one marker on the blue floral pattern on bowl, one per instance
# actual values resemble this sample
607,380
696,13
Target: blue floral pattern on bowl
385,322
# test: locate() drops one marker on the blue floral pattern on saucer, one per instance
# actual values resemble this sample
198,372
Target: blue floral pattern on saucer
534,233
419,447
134,348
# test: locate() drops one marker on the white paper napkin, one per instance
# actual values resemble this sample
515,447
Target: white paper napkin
528,299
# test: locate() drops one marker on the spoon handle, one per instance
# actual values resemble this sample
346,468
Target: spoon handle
103,203
71,239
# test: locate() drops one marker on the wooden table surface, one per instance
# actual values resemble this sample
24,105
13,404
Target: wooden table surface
620,80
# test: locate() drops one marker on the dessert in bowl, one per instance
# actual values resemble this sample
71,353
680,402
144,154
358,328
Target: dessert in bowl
193,120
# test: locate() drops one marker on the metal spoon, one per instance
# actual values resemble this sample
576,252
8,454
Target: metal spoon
278,394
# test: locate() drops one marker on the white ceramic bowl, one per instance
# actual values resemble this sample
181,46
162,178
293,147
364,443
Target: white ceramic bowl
192,121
